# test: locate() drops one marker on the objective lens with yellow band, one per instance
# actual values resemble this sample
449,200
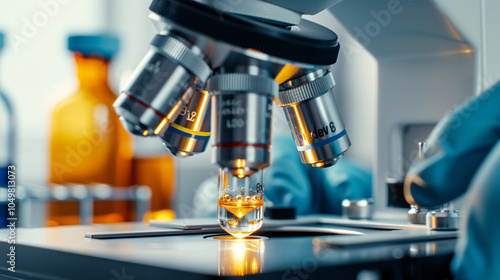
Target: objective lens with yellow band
190,132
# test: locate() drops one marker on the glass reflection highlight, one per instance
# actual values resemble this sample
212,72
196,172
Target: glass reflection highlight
239,257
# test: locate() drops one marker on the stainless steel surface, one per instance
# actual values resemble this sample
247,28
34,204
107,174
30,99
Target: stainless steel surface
200,223
358,208
322,219
315,122
190,132
241,114
150,233
443,220
161,85
195,256
401,237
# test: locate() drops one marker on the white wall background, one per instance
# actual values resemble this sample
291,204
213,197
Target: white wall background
478,21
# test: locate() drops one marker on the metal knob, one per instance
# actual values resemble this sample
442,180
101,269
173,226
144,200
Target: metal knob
416,215
357,208
443,220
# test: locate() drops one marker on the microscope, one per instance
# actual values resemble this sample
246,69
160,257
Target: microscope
214,69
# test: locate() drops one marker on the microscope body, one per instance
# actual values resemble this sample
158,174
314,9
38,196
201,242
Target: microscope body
224,64
235,59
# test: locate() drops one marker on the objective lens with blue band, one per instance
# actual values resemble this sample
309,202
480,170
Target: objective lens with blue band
313,114
189,133
322,142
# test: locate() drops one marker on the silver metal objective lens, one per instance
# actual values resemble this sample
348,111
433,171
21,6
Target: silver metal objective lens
160,86
241,115
190,132
314,118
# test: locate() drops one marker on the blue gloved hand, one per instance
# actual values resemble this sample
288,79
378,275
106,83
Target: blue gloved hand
463,152
288,182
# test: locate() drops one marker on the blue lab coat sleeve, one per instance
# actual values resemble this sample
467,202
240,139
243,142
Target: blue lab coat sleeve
288,182
463,152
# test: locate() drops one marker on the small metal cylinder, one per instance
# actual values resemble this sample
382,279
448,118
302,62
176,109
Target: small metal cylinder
417,215
357,208
160,86
241,115
314,119
443,220
190,132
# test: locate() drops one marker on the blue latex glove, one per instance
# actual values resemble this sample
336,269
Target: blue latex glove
288,182
462,151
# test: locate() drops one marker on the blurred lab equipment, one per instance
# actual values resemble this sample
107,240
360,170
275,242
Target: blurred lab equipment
158,173
30,196
463,155
445,218
87,143
7,148
245,62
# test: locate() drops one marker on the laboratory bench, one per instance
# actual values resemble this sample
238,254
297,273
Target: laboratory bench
313,247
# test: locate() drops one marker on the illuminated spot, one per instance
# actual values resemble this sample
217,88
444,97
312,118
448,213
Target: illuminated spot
160,126
233,222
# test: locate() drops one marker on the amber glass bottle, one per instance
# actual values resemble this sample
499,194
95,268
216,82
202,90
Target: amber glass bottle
88,145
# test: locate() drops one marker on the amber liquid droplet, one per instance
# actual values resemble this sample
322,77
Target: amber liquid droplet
241,217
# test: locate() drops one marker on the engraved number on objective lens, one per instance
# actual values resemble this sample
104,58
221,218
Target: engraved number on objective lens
232,107
190,114
318,132
235,123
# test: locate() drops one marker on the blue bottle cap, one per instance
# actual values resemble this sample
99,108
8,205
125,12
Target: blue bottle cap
100,45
